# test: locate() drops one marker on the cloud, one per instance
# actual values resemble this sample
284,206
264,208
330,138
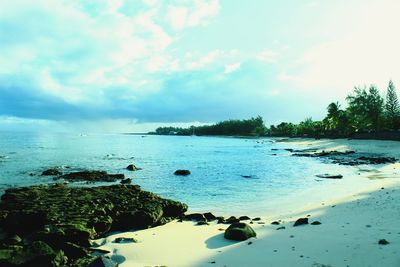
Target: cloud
232,67
196,13
267,55
64,57
365,52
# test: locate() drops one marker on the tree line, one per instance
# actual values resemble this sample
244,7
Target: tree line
366,112
251,127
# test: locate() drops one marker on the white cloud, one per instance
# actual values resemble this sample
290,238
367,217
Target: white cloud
267,55
205,60
232,67
364,51
193,13
177,17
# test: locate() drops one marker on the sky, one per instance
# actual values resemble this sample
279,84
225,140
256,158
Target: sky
130,66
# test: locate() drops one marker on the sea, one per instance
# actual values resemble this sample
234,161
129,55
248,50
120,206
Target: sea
228,175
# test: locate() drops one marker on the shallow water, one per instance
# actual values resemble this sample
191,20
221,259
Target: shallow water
217,165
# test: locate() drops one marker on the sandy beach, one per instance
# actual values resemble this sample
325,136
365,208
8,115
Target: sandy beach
353,220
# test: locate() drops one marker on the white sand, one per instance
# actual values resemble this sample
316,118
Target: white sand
353,221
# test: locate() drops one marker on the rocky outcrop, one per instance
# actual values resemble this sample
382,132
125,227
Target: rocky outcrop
66,218
91,176
51,172
350,158
239,232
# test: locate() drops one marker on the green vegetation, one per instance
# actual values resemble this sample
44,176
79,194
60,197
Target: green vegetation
367,112
251,127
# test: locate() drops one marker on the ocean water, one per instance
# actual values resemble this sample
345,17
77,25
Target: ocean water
217,164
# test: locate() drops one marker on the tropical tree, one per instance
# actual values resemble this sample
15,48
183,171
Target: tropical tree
335,123
392,108
365,109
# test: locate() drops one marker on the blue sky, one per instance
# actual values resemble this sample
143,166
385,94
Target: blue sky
122,65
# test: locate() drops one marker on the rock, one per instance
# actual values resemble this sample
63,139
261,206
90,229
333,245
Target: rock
281,228
231,220
195,217
132,167
209,216
383,242
91,176
102,262
329,176
125,240
220,220
202,223
256,219
239,232
51,172
301,221
99,250
12,240
126,181
182,172
73,251
36,254
66,218
377,160
315,223
244,218
275,223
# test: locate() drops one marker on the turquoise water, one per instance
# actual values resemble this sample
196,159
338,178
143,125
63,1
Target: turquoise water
217,165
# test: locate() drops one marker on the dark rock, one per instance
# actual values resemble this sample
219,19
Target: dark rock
301,221
209,216
383,242
132,167
231,220
66,218
377,160
329,176
315,223
12,240
239,232
99,250
73,251
125,240
92,176
182,172
220,220
256,219
275,223
244,218
102,262
198,217
281,228
36,254
126,181
202,223
51,172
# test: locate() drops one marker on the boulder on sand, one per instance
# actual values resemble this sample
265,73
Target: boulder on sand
239,232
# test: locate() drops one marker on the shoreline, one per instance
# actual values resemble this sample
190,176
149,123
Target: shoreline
354,217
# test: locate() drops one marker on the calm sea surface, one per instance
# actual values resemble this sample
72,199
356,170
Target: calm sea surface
217,165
